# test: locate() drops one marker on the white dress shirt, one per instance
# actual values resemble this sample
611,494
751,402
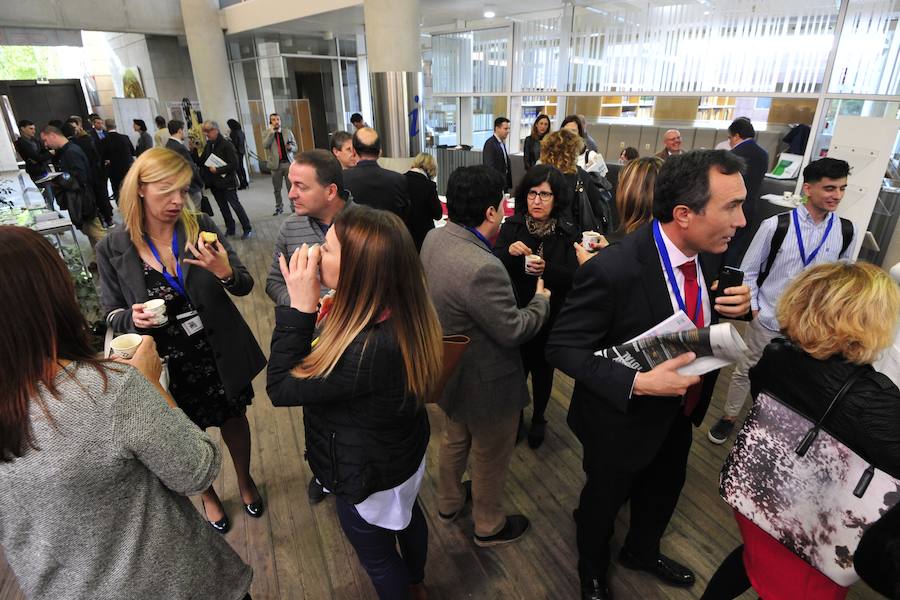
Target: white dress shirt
678,258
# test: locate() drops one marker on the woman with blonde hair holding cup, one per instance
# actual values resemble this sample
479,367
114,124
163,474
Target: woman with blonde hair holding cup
212,354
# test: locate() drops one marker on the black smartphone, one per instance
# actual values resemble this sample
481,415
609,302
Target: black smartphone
729,277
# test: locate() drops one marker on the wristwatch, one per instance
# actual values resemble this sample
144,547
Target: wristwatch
228,280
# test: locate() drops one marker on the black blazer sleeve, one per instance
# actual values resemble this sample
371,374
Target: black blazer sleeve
532,152
434,202
492,156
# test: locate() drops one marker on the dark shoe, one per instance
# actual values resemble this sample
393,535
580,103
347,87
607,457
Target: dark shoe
536,435
515,528
522,432
665,569
229,234
417,591
222,525
277,212
449,518
255,509
595,589
247,235
315,491
243,187
718,433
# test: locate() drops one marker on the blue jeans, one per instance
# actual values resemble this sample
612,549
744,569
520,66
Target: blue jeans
376,548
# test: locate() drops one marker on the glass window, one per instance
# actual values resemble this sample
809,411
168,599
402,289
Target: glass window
868,56
532,108
441,121
490,60
537,54
484,110
470,61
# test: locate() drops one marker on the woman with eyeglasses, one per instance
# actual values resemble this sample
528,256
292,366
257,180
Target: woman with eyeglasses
539,241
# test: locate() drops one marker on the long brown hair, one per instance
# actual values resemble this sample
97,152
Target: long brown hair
634,192
380,273
534,130
41,324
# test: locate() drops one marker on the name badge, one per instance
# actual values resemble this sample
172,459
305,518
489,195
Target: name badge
192,326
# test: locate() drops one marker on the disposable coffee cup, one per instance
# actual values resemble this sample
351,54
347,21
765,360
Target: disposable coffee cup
588,238
530,261
126,345
788,195
157,306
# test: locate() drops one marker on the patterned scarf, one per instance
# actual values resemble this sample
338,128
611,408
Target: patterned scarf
540,229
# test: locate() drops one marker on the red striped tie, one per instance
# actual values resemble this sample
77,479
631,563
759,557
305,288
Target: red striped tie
691,291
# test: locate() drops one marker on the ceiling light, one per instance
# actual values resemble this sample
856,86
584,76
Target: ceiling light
489,12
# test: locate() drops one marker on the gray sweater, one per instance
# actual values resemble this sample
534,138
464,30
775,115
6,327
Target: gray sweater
100,510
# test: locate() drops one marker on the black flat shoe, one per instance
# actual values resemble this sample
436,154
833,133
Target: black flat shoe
664,568
255,509
536,435
222,525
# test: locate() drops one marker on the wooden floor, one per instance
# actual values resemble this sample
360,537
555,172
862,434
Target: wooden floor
298,551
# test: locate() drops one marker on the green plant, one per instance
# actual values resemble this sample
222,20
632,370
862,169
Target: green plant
85,289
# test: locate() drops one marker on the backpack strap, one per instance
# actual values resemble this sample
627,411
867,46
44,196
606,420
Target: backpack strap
784,219
846,234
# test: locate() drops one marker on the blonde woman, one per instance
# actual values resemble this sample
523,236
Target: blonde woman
426,206
212,354
362,385
836,318
561,149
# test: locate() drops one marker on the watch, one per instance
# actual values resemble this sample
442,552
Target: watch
228,280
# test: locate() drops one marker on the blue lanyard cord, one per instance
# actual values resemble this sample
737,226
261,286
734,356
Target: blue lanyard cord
177,281
812,256
670,273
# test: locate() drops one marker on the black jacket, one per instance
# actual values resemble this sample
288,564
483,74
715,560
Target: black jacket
74,161
868,417
877,558
364,434
119,151
531,152
757,161
239,140
425,206
224,178
595,197
196,181
145,142
496,157
37,158
374,186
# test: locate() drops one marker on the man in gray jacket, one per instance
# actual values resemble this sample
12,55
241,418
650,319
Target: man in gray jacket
280,146
473,295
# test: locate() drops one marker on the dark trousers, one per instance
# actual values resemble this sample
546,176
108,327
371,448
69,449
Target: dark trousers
652,492
391,572
241,171
101,196
541,376
730,579
115,180
225,198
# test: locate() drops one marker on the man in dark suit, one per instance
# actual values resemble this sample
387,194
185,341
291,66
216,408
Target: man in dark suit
176,143
118,154
494,154
372,185
222,181
741,136
635,427
73,130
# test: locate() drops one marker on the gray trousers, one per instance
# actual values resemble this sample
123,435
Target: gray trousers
757,338
279,178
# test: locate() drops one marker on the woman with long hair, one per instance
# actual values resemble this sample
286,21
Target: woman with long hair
95,465
212,354
532,145
634,193
362,384
540,227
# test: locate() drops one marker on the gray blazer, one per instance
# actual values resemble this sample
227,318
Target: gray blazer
474,296
238,356
272,150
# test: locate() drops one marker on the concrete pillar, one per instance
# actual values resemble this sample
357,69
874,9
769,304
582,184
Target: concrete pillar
394,57
209,59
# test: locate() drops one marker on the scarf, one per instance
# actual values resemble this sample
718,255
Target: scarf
540,229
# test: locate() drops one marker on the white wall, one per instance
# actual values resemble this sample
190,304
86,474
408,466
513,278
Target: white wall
156,16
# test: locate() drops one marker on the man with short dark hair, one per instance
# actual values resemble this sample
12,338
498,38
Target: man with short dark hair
356,120
473,295
635,427
342,148
118,154
280,146
775,257
371,184
97,176
161,135
741,136
494,153
37,158
222,180
175,129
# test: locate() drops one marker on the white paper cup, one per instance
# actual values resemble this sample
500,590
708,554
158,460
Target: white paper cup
589,237
530,261
788,195
126,345
157,306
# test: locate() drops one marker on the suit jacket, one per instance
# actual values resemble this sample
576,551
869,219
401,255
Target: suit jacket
271,146
664,154
495,156
473,295
238,356
119,151
224,178
617,295
531,151
37,158
377,187
145,142
425,206
757,161
196,180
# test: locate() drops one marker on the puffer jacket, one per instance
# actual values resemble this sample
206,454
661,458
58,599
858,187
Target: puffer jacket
364,433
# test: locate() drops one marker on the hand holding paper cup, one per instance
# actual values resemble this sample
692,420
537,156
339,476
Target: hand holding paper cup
534,264
126,345
157,306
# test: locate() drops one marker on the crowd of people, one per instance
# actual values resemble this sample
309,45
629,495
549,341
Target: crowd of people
364,288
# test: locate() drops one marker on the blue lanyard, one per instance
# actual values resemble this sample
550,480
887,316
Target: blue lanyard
670,273
812,256
481,237
175,282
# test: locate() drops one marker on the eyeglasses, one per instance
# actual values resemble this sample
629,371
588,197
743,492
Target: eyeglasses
544,196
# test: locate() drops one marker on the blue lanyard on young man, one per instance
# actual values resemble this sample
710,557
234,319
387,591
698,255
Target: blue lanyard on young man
670,272
481,237
176,282
812,256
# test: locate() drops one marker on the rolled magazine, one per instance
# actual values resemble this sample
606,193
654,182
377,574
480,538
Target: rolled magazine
716,346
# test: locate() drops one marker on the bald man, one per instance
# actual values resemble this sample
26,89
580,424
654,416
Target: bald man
672,143
372,185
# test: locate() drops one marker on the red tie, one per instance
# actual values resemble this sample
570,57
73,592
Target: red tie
691,291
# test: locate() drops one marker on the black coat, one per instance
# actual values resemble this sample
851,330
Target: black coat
617,295
374,186
496,157
119,151
531,152
757,161
425,206
363,433
224,178
239,140
196,181
37,158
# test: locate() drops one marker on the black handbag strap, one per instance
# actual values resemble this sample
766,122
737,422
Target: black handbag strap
813,432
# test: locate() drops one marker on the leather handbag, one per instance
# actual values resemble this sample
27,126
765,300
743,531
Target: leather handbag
454,348
803,486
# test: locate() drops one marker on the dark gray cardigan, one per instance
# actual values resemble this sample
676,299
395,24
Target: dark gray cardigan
238,355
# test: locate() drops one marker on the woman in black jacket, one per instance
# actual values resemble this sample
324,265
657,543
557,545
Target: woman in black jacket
362,384
539,228
239,140
532,145
425,206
